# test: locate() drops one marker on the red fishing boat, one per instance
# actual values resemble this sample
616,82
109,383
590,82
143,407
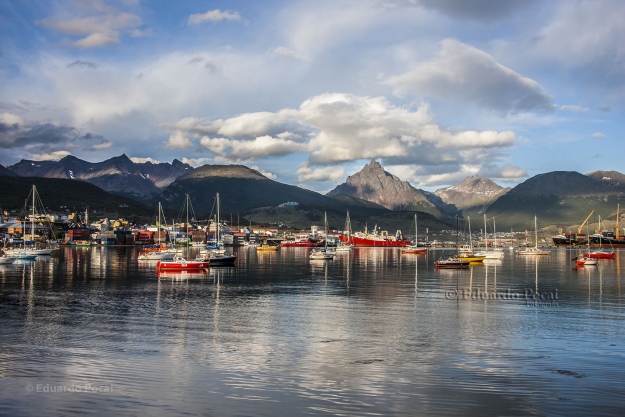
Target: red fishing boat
376,238
181,264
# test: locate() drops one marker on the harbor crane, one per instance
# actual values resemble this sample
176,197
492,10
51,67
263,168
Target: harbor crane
579,231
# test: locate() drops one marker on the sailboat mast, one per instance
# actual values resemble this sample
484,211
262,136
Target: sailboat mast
218,224
32,219
536,231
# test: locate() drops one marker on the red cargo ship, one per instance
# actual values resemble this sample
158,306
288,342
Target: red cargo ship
377,239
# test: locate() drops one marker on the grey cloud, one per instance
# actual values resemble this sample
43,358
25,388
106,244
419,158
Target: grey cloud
475,10
83,64
461,72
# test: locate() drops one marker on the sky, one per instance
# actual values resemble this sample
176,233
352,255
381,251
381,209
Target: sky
308,92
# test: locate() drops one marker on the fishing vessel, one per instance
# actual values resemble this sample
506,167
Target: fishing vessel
301,241
376,238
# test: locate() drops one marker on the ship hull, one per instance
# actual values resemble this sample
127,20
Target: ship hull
362,241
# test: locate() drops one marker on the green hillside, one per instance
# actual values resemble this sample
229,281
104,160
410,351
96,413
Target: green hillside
58,194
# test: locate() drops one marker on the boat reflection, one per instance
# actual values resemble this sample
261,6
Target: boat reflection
199,273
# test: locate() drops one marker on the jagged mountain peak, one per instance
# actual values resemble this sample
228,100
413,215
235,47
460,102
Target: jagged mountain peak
472,192
373,183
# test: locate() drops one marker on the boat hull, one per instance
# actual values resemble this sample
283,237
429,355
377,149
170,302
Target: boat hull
600,255
376,242
181,265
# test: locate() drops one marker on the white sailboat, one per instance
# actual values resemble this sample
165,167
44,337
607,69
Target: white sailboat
346,246
535,250
322,253
161,253
219,257
414,248
496,252
32,252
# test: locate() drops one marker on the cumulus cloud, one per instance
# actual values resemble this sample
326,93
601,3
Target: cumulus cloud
51,156
103,28
267,174
338,128
101,146
462,72
306,174
249,150
213,16
283,52
196,162
139,160
178,140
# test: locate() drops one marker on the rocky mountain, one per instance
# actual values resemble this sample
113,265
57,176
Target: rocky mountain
613,178
246,192
118,175
164,173
5,172
562,199
373,183
473,193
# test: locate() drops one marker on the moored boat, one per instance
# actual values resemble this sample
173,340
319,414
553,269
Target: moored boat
452,262
586,261
376,239
535,250
179,264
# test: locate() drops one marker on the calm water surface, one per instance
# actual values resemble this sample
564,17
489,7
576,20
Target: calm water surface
372,332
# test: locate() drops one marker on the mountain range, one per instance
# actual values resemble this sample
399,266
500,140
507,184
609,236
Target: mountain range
372,195
119,175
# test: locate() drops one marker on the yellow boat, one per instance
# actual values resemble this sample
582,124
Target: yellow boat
472,258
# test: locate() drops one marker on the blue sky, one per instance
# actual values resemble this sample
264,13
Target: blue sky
307,92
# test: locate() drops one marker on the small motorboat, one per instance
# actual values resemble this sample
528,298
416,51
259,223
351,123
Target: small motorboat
181,264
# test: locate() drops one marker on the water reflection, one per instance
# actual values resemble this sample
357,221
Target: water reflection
371,332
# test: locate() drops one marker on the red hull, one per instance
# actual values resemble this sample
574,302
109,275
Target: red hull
181,266
600,255
413,251
361,241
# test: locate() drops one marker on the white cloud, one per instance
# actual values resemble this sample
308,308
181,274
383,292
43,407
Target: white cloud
267,174
249,150
11,119
52,156
598,135
101,146
339,128
283,52
99,30
196,162
464,73
138,160
178,140
212,16
574,108
306,174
